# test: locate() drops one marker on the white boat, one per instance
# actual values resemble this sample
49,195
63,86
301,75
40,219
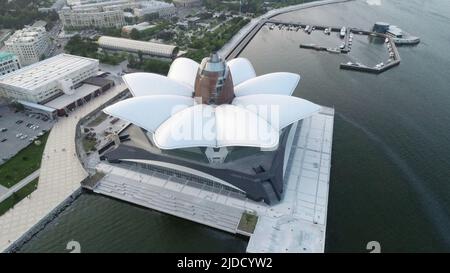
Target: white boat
343,31
307,28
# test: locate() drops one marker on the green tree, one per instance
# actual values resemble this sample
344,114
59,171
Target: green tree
134,34
141,56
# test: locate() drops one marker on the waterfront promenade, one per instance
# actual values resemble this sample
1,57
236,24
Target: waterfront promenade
60,174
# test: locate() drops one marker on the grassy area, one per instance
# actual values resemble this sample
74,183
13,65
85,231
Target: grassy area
99,119
22,164
11,201
88,144
248,222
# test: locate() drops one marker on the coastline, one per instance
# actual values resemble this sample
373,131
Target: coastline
237,42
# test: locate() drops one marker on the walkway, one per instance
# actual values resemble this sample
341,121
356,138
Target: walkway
22,183
60,175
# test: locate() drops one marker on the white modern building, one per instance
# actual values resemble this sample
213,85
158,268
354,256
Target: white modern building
8,63
218,145
134,46
81,14
29,44
82,18
48,79
163,9
187,3
139,27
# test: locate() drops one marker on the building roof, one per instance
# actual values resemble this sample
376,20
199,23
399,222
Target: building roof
26,35
135,46
36,106
6,56
41,73
64,100
164,106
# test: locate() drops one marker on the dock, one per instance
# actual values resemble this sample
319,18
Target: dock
345,48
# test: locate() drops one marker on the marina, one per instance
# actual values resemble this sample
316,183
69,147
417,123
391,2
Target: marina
347,35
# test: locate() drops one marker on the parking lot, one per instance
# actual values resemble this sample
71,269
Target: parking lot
18,130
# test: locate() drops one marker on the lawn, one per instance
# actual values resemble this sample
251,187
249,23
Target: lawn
11,201
88,144
99,119
248,222
22,164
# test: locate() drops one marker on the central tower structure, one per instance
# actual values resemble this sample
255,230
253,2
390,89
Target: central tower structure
214,84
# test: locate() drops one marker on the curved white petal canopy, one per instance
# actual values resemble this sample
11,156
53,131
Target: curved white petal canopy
145,84
280,111
208,126
164,106
279,83
149,112
241,70
184,70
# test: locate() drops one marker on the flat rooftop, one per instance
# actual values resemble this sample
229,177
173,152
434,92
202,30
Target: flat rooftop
39,74
64,100
134,45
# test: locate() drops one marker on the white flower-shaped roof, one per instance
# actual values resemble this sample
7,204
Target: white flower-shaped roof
165,106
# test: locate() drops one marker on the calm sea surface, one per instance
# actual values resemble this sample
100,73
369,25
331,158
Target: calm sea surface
390,177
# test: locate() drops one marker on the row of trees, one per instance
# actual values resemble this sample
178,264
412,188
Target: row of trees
213,41
89,48
148,65
17,13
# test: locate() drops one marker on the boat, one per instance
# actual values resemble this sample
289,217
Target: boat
307,28
343,32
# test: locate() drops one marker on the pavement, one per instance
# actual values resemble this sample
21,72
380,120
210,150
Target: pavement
3,190
60,175
22,183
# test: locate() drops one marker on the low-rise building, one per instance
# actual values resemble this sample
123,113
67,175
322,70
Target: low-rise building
29,44
187,3
82,18
139,27
163,9
8,63
48,79
134,46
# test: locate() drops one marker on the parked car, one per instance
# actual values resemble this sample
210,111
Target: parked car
3,140
19,121
3,129
19,135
